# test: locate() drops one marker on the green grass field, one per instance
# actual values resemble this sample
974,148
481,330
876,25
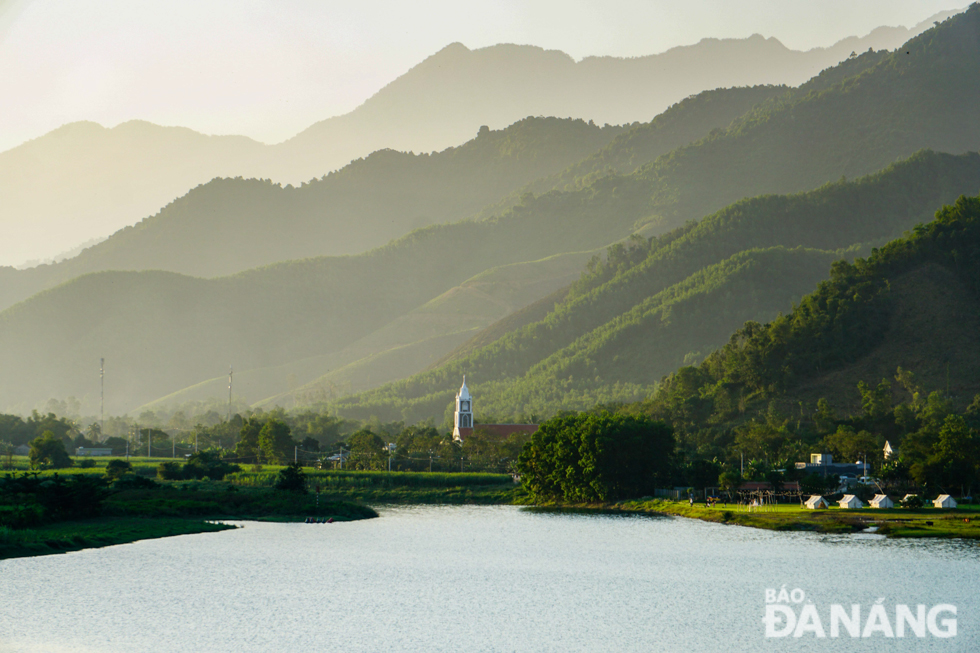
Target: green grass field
961,522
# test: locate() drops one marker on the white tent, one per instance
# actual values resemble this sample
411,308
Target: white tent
850,501
882,501
816,501
944,501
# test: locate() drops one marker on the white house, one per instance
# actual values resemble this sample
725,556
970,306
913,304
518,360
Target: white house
944,501
93,451
882,501
816,501
850,501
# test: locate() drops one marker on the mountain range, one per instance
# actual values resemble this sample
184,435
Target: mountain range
83,180
670,291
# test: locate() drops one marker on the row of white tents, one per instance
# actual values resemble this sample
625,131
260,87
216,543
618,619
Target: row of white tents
880,501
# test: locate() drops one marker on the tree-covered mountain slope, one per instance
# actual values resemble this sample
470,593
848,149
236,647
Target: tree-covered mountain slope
407,344
835,217
686,122
188,330
290,312
230,225
913,303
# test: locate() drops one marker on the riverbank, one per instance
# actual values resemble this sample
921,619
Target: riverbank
68,536
963,522
153,510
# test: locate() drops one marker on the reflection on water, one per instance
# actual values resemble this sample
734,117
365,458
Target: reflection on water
472,579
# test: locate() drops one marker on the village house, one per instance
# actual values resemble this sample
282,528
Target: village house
823,464
93,451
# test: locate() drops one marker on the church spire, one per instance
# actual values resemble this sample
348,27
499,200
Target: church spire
463,416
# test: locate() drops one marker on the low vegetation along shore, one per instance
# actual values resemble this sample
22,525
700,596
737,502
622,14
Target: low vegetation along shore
49,512
962,522
56,511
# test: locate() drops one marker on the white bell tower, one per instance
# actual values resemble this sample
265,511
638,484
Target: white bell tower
463,418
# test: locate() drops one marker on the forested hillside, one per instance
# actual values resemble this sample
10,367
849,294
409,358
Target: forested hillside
167,332
900,327
583,349
229,225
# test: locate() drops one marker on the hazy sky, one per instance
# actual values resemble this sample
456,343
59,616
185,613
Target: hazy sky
269,69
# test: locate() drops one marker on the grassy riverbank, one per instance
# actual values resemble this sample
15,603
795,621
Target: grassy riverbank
49,514
963,522
92,533
137,508
378,487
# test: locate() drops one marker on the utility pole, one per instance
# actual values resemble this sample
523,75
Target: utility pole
229,392
102,398
295,455
173,441
341,457
149,442
430,461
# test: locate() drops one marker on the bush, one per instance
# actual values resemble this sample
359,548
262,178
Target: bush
117,467
169,471
913,502
208,464
133,482
292,479
86,463
48,451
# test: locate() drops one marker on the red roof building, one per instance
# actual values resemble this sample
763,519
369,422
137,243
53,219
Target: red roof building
463,425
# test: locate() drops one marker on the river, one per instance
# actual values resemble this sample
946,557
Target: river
482,579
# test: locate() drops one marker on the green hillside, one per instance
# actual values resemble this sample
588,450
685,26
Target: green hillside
912,305
573,340
230,225
164,332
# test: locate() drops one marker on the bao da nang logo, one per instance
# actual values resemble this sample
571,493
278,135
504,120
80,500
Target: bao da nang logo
789,613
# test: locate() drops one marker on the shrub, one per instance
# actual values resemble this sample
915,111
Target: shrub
208,464
292,479
133,482
169,471
48,450
913,502
117,467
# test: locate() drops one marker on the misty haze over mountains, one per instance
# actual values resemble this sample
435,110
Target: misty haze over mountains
594,260
84,181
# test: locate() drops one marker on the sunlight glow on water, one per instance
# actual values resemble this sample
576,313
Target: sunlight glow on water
471,579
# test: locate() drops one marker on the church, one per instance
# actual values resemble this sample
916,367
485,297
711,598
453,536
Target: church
463,420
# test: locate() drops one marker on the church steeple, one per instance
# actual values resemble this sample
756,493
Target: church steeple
463,417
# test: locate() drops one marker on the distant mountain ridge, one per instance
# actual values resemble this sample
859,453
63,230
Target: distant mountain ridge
83,181
167,333
230,225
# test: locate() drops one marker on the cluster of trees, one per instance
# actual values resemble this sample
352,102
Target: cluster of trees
742,402
27,500
199,465
597,456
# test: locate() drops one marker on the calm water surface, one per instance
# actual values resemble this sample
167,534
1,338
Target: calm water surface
474,579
